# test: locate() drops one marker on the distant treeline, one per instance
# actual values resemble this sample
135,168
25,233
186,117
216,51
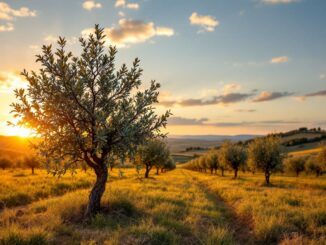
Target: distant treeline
196,148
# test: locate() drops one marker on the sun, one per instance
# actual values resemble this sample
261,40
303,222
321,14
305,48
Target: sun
19,131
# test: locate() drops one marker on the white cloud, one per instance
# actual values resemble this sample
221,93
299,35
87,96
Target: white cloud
121,14
124,4
91,4
207,22
164,31
132,6
273,2
8,13
131,32
280,59
120,3
7,27
322,76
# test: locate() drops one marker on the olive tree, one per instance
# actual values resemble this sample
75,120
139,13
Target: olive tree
85,109
5,163
169,164
266,155
153,153
233,156
313,166
213,161
31,162
295,165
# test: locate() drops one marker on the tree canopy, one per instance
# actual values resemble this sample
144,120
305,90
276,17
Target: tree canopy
265,154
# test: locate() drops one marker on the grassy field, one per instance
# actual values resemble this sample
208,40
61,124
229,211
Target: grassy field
307,152
178,207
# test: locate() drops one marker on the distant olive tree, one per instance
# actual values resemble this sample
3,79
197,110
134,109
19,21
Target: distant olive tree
266,155
314,166
213,161
153,153
84,109
5,163
169,164
233,156
295,165
322,157
31,162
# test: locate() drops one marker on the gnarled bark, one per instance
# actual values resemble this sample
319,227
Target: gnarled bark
95,196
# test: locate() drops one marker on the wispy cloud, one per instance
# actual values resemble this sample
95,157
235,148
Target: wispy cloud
186,121
274,2
206,22
245,110
321,93
124,4
231,87
223,99
207,122
91,4
131,32
280,59
267,96
7,27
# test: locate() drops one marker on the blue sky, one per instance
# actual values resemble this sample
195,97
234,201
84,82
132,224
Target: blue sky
240,66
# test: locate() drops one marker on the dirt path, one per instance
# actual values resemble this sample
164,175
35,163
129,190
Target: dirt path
241,226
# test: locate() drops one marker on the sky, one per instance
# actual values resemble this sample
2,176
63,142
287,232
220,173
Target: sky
226,66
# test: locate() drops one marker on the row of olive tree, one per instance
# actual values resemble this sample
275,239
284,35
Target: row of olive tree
154,154
31,162
262,154
310,164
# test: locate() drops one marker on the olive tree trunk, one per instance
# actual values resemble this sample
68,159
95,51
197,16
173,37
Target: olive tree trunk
148,168
267,177
95,196
235,173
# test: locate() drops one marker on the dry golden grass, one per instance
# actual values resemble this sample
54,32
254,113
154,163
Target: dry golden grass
308,152
178,207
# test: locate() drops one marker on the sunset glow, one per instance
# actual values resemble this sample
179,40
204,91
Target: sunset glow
19,131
